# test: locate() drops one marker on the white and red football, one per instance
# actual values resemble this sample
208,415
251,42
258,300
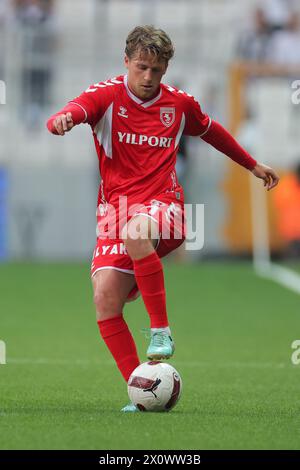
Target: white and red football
154,386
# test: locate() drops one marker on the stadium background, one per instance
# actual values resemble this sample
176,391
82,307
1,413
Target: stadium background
234,305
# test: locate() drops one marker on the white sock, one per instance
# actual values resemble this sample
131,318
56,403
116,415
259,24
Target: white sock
166,329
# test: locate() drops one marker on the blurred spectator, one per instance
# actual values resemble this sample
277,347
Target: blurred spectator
287,203
277,13
4,15
272,34
38,34
253,43
3,11
285,44
2,19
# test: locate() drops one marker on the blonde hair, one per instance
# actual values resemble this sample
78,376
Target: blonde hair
149,40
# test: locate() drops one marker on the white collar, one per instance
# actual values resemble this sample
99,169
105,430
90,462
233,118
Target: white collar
144,104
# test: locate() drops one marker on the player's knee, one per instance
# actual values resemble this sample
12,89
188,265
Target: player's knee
135,243
140,236
137,235
137,229
106,303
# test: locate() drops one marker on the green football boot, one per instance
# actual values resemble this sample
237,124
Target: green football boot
161,346
130,408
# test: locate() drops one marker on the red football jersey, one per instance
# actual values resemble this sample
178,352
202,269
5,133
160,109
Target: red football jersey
137,141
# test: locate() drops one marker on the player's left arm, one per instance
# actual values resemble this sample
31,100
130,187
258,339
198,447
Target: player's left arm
266,173
217,136
200,124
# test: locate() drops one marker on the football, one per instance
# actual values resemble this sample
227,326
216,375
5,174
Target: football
154,386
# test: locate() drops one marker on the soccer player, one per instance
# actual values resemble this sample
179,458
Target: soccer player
137,123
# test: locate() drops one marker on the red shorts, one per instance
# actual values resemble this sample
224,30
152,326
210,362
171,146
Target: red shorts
167,210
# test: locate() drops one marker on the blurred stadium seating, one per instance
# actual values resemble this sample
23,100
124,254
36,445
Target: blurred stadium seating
53,181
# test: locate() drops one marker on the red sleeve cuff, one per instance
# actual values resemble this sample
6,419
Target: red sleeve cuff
79,115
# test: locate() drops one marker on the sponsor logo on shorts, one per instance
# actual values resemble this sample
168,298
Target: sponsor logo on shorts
115,249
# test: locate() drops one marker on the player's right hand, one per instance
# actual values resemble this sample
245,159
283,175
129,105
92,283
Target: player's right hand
63,123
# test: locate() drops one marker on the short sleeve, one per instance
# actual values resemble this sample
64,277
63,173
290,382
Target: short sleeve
197,123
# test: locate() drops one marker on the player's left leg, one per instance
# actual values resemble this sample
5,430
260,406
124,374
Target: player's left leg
140,237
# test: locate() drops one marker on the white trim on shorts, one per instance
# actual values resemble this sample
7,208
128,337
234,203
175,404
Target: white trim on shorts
154,220
136,214
128,271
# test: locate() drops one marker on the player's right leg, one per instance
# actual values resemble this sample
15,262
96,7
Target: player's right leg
111,289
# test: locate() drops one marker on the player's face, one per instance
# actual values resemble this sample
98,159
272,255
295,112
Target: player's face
144,75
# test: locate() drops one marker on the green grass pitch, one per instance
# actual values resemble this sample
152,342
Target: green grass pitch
233,334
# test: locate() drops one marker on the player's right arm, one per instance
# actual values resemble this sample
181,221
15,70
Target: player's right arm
68,117
88,108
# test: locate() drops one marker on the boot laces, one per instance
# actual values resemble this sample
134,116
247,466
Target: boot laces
158,339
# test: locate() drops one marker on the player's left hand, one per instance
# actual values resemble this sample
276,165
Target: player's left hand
264,172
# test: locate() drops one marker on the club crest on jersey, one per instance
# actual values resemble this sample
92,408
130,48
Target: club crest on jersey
167,116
